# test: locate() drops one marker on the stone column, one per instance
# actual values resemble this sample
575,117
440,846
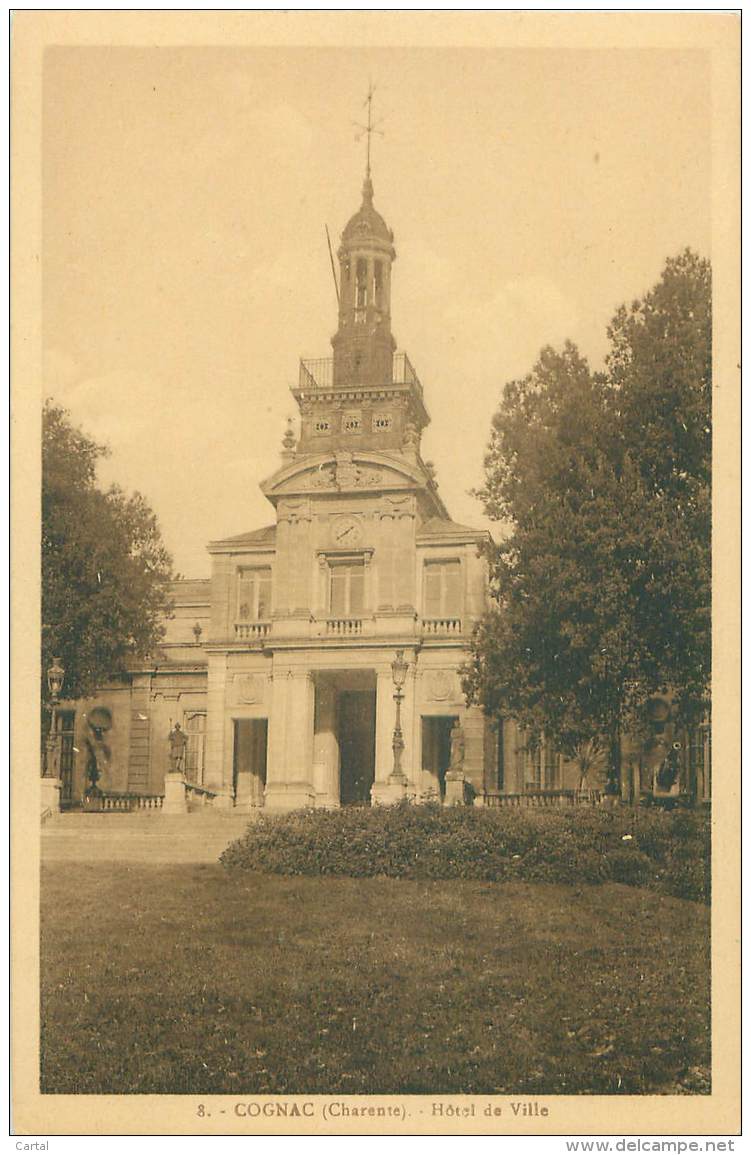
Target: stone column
289,778
326,748
473,724
385,715
218,767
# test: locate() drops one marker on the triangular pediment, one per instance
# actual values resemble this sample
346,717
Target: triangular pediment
345,472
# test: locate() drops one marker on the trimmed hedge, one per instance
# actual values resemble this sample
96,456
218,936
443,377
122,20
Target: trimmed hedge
662,850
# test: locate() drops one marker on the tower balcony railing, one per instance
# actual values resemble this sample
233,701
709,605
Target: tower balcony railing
318,374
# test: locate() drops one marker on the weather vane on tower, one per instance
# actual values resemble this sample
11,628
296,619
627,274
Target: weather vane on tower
368,129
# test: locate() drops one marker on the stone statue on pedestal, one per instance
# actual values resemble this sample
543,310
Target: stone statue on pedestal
456,789
456,762
177,745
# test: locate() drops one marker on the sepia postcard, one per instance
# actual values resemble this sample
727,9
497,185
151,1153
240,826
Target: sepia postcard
376,573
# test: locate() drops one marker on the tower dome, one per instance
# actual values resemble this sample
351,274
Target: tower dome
367,225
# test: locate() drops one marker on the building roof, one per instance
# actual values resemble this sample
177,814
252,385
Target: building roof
190,591
266,533
444,527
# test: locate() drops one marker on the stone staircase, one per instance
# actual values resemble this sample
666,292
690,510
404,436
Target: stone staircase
141,836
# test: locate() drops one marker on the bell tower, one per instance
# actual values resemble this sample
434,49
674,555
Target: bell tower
363,344
367,396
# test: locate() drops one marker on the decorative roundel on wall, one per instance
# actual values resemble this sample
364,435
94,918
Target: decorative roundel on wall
441,685
249,688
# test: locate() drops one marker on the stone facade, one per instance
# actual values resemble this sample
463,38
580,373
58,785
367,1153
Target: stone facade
279,667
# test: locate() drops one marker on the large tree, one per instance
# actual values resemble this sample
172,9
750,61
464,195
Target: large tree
601,585
105,571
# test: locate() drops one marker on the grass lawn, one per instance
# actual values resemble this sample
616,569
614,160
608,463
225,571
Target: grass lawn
190,979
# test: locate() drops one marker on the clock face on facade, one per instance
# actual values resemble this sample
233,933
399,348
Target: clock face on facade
347,531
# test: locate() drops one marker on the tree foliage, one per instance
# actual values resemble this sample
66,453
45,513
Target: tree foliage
601,589
105,571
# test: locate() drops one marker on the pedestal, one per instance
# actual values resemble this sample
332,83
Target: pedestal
388,793
174,795
456,789
283,796
50,796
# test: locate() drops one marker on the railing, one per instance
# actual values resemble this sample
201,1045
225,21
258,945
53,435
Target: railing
200,794
442,626
404,373
344,627
318,374
124,802
542,799
252,631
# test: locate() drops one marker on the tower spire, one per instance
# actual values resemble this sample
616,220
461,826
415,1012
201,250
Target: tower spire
367,131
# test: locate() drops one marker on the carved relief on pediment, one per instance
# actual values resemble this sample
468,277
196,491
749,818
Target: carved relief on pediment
323,478
344,474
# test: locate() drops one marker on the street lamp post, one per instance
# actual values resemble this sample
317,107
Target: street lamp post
399,673
55,678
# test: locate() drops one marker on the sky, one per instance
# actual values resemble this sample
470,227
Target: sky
185,268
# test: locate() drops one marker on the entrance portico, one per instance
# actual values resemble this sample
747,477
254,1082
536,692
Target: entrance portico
331,733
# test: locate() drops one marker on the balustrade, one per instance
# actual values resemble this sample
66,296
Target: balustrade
541,799
442,626
344,627
252,631
127,802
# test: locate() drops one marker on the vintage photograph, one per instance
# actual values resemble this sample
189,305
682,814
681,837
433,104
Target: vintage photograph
376,728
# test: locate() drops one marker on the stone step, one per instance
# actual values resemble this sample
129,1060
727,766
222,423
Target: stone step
145,819
160,838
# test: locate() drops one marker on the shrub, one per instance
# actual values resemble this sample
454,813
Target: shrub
687,878
632,867
637,848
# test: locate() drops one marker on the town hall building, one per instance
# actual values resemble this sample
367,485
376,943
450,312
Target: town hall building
280,668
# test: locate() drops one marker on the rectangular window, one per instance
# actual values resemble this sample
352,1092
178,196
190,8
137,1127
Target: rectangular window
443,589
346,589
534,768
552,762
253,595
696,750
67,726
195,731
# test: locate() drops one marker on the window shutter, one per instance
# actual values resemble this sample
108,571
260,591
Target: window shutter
452,589
433,590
